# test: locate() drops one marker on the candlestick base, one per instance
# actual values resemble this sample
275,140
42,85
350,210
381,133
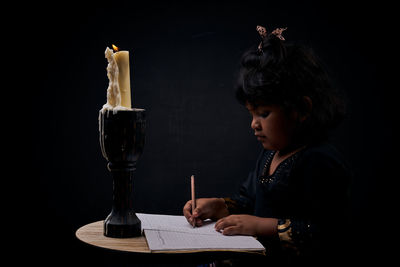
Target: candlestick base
130,226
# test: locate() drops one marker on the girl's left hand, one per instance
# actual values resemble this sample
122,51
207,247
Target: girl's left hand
244,224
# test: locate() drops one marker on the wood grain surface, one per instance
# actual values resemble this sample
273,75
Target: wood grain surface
93,234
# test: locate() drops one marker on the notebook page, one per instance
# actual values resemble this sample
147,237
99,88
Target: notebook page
171,232
166,240
174,223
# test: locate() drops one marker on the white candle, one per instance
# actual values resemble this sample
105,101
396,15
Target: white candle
119,87
122,59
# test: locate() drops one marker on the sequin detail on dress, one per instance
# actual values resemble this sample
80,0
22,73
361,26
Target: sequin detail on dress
285,165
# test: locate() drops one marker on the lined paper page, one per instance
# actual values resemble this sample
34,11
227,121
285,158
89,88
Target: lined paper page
171,232
159,240
174,223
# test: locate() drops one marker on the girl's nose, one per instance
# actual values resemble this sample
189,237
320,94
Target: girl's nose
255,124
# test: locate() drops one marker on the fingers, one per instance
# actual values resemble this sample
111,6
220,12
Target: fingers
187,210
198,212
227,226
231,230
198,222
223,223
197,217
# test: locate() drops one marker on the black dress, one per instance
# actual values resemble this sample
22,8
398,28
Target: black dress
308,194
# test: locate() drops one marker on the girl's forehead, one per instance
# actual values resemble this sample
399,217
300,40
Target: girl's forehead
251,107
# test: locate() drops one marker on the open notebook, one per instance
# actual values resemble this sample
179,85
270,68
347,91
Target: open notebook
174,233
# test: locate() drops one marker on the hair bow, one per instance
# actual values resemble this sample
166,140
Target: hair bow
263,34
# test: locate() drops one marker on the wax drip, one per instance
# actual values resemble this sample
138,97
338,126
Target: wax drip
113,90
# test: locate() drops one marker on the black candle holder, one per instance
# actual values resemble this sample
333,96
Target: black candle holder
122,138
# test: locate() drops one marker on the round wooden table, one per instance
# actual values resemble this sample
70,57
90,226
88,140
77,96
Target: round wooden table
92,234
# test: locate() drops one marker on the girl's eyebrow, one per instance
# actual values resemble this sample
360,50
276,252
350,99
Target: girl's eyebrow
264,108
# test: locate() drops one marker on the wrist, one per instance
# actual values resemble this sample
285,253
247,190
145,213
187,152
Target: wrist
266,226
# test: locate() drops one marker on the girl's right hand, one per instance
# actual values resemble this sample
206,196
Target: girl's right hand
206,208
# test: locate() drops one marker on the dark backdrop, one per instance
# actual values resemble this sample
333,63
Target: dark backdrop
184,58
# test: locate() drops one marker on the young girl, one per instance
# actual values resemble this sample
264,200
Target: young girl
295,200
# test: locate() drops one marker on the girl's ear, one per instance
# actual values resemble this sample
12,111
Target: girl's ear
307,102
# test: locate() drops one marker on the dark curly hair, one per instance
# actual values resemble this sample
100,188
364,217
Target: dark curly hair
280,73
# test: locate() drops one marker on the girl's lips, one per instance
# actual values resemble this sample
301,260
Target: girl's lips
260,137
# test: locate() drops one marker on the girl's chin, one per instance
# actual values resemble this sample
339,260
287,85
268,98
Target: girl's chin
267,146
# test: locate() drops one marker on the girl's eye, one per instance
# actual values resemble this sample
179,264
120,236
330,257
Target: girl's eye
264,114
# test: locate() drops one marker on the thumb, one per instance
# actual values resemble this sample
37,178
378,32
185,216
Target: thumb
197,212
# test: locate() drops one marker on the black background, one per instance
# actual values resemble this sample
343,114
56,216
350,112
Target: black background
184,58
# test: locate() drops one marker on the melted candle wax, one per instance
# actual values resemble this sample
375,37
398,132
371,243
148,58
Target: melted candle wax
118,91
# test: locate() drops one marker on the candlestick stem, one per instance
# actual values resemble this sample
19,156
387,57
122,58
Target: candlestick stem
122,221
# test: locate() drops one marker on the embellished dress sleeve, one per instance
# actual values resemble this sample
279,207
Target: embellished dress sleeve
318,221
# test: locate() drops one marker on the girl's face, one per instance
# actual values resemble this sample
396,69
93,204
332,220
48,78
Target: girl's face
272,126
